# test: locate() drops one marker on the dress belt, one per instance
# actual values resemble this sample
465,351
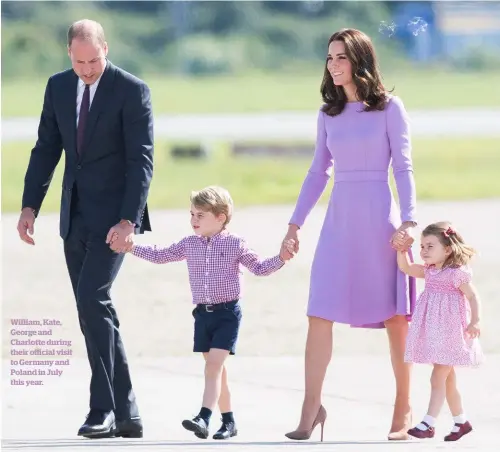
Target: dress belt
354,176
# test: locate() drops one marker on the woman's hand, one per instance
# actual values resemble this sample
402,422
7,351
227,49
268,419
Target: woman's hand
290,244
403,239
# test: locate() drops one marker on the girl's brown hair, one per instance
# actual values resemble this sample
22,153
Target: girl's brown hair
461,253
365,74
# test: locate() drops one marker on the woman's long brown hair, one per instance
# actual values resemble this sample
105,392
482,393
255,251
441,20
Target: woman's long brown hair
365,74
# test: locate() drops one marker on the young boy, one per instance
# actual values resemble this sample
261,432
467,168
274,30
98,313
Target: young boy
213,257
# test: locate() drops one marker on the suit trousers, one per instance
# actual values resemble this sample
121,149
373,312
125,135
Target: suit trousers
92,268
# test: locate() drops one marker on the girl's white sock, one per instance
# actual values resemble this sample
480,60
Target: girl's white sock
427,419
460,419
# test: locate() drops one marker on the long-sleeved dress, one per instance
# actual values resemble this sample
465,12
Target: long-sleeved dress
354,276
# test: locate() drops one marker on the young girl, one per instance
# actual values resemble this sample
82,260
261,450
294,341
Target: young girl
445,327
213,256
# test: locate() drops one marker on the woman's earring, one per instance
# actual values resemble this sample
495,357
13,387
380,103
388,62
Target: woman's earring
361,71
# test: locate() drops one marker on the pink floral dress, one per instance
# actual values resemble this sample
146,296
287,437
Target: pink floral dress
437,333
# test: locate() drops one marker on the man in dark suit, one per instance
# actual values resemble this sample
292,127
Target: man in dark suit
102,117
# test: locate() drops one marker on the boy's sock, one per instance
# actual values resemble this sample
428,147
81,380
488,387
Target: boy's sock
427,419
460,419
205,414
227,417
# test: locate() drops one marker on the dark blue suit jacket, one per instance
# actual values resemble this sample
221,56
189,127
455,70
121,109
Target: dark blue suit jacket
114,172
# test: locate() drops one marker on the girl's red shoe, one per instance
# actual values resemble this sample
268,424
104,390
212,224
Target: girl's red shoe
463,430
417,433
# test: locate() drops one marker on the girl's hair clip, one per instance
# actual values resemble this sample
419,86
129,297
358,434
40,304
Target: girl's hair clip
449,231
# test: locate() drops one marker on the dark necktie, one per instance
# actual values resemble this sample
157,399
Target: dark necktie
82,118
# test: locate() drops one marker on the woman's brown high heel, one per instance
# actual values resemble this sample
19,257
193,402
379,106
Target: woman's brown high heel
306,434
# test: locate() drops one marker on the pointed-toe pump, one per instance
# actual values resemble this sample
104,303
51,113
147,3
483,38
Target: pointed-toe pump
301,435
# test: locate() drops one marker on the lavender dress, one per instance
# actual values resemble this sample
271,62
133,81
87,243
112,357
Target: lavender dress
354,277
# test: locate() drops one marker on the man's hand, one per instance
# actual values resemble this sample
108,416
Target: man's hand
121,237
26,224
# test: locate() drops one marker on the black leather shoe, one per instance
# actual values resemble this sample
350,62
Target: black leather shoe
99,424
198,426
227,430
129,428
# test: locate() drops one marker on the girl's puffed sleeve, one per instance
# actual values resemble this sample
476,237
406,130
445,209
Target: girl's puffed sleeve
461,275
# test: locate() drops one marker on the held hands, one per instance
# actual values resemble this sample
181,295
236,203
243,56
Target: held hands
287,250
121,237
473,330
402,239
290,244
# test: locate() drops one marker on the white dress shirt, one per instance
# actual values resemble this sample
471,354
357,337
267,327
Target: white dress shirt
79,93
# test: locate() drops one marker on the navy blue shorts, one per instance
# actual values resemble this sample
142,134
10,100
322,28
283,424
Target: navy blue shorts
216,326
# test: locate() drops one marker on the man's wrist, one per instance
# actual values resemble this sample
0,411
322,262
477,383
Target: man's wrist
127,222
24,209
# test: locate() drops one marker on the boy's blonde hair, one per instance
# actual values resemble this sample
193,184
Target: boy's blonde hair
461,253
214,199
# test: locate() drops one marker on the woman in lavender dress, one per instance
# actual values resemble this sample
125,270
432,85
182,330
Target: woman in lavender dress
355,279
